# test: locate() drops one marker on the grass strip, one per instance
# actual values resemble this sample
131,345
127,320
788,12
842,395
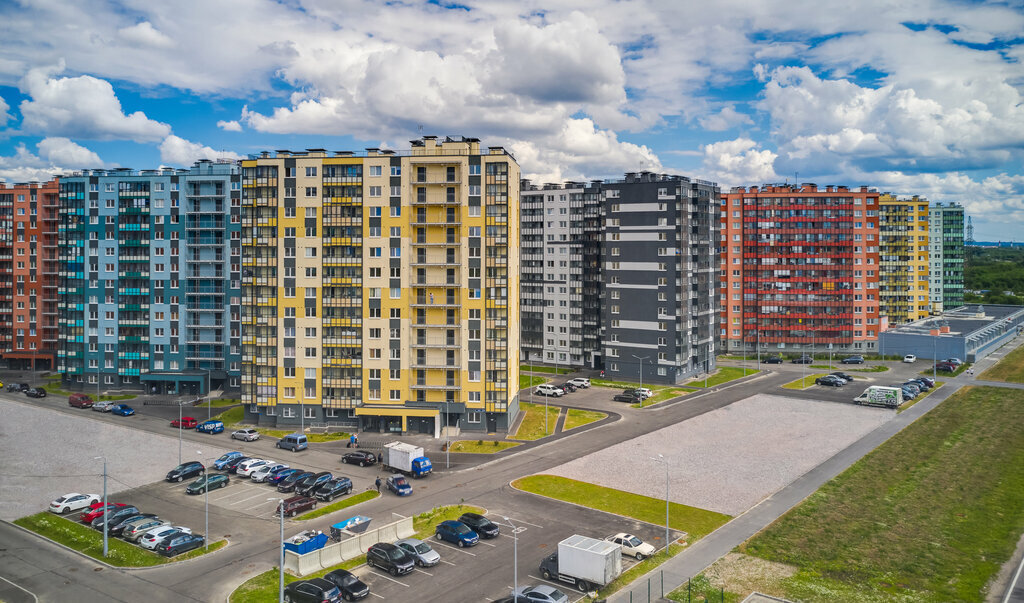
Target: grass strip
232,418
930,515
664,394
481,446
84,539
963,367
700,588
526,381
543,369
575,417
532,425
697,522
1009,369
639,570
220,403
846,369
723,374
803,382
344,503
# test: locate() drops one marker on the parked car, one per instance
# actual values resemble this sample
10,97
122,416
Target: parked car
35,392
805,359
12,387
568,387
74,400
261,474
96,510
115,517
910,391
909,358
630,398
546,389
247,467
104,406
830,380
924,385
480,524
928,380
308,486
421,552
72,502
632,546
359,457
853,360
913,387
906,395
23,387
945,367
232,465
288,484
246,435
314,590
138,529
456,532
636,391
180,543
328,491
131,522
542,593
185,471
185,423
211,426
399,485
352,588
773,360
278,476
153,537
580,382
389,558
294,442
297,504
216,480
843,376
226,458
955,361
645,392
122,410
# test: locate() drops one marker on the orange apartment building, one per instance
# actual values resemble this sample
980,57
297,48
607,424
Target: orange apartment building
28,275
800,270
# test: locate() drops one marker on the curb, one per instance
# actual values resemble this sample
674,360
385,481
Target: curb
701,392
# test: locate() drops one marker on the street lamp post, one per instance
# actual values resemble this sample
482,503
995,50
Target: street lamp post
515,558
641,359
935,357
105,527
206,489
180,402
661,459
280,577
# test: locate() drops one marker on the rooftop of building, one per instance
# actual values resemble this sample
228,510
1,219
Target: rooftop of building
630,177
804,188
963,321
201,167
424,146
4,185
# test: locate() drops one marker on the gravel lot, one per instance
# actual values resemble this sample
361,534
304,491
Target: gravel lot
730,459
48,453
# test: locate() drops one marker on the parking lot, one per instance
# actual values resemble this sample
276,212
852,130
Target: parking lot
898,373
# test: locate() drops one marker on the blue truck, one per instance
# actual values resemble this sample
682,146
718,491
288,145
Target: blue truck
406,459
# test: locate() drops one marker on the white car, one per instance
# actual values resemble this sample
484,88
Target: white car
73,502
580,382
246,435
910,358
547,389
633,546
104,406
261,474
153,537
645,392
247,467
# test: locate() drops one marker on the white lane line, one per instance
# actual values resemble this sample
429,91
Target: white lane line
376,595
485,543
543,580
422,572
257,495
448,562
32,594
454,548
380,575
526,522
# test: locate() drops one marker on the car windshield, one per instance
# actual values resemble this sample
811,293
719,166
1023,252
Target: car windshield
422,548
226,457
634,541
461,529
349,580
180,467
399,481
396,554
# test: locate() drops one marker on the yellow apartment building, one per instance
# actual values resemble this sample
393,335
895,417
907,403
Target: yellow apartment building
378,288
903,258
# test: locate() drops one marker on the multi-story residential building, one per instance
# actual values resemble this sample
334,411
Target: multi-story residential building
150,286
800,269
28,275
946,251
561,274
382,290
659,265
903,257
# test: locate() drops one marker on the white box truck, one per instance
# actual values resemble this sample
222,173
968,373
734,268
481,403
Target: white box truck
583,562
877,395
405,458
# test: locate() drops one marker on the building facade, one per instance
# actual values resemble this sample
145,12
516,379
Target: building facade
561,274
28,275
946,256
382,290
800,269
659,264
903,285
150,282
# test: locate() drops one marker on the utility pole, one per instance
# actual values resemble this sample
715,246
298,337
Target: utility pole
515,557
641,359
280,576
105,527
661,459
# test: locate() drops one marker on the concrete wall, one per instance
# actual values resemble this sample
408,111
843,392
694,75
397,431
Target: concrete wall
337,552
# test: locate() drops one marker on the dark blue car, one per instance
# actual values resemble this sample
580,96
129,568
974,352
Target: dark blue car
456,532
226,458
123,410
211,426
278,476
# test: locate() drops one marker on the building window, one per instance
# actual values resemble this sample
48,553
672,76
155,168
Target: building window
473,416
395,395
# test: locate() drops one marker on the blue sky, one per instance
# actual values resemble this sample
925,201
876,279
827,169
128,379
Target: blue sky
916,97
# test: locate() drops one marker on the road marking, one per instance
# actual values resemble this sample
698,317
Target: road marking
260,505
32,594
526,522
422,572
376,595
448,562
548,581
487,543
245,499
380,575
454,548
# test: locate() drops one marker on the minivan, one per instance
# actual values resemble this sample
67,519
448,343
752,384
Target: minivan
79,401
294,442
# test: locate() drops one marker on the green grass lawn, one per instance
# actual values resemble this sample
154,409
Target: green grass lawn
482,446
846,368
526,381
960,369
344,503
220,403
660,395
575,417
697,522
232,416
723,374
803,382
627,385
640,569
930,515
532,427
543,369
1010,368
86,540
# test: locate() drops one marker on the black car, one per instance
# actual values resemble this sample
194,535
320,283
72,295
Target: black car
568,387
844,376
279,476
480,524
35,392
853,360
390,558
352,588
314,590
631,398
232,466
928,381
289,483
185,471
773,360
920,383
115,517
179,543
328,491
359,457
24,387
830,380
805,359
308,485
13,387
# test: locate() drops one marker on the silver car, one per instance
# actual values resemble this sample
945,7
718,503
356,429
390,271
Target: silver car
261,474
246,435
104,406
153,537
138,530
420,551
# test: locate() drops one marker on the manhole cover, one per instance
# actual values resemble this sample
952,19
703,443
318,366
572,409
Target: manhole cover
98,569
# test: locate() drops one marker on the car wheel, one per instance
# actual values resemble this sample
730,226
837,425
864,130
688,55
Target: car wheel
179,479
314,505
545,574
65,511
393,571
582,586
639,556
437,535
344,460
349,598
362,464
288,598
462,544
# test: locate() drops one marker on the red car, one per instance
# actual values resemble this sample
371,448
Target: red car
96,510
185,423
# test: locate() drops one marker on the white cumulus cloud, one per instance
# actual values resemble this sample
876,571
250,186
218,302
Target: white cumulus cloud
4,116
62,151
175,150
738,162
55,156
145,34
229,126
725,119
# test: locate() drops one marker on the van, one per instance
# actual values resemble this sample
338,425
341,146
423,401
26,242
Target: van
79,401
294,442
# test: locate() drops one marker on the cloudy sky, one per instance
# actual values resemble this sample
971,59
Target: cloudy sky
908,96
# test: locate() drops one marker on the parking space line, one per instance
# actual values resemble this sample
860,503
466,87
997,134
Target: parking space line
259,505
448,562
487,543
245,499
527,523
423,572
376,595
454,548
380,575
543,580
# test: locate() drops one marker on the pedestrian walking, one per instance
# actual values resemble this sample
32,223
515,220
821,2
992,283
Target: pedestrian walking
377,483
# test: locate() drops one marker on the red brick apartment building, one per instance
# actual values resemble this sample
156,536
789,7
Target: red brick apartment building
800,269
28,275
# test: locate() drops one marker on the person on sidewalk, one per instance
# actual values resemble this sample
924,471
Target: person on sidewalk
377,483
